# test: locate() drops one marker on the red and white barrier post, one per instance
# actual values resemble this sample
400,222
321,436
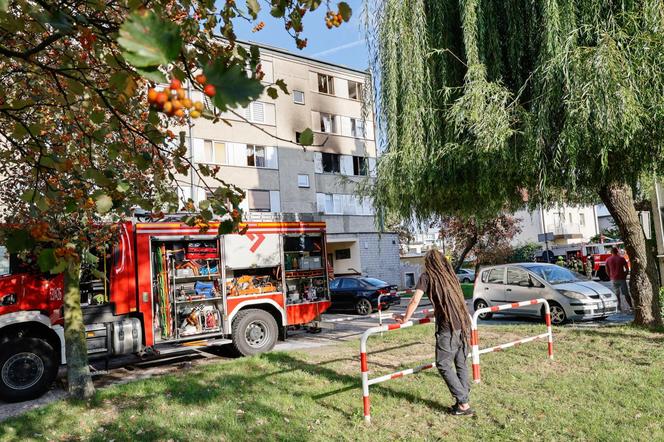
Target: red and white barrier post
364,367
475,340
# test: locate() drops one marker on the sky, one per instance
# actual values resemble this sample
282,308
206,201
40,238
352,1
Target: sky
344,45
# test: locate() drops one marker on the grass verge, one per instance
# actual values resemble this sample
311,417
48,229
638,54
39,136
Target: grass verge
605,384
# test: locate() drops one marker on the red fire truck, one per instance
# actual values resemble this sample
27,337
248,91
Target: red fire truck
166,285
598,254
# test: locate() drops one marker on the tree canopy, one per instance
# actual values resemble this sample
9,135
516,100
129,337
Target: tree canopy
489,106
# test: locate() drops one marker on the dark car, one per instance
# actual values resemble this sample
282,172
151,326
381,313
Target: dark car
361,294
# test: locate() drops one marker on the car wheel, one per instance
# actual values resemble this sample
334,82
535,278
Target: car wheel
558,315
466,280
480,303
254,331
363,307
28,367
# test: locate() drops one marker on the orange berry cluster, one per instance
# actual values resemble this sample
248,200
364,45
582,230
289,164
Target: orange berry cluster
258,27
174,101
333,19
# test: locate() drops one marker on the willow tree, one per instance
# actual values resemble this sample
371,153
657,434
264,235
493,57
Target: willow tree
486,105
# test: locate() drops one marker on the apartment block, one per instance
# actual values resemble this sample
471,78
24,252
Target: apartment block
256,151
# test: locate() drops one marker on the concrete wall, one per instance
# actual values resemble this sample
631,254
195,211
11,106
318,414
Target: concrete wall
380,256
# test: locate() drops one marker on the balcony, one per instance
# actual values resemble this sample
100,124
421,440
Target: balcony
565,230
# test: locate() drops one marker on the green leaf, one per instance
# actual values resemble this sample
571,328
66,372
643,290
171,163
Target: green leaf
307,137
28,196
122,186
153,74
282,85
345,11
313,4
97,117
233,86
225,227
254,8
104,204
272,93
4,5
277,11
59,267
92,259
19,240
47,260
148,40
204,205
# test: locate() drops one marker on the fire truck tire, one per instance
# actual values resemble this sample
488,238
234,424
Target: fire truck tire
254,331
28,367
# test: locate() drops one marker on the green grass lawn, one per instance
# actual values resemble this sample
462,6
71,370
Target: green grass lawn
605,384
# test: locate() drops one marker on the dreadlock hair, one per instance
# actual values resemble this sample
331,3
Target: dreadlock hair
443,283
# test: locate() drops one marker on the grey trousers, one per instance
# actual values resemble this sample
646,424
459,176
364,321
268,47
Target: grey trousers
620,288
451,355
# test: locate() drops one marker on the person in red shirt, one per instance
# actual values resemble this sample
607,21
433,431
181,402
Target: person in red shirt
617,269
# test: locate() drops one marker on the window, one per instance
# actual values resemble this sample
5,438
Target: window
325,84
4,261
214,152
496,276
570,218
335,284
259,200
410,280
354,90
582,219
360,166
517,277
303,181
327,123
357,127
255,112
349,283
298,97
331,162
342,254
255,156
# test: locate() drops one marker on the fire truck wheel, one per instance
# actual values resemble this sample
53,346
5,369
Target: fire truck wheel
254,331
28,367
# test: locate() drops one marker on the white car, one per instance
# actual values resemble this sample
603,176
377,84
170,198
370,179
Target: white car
570,295
465,275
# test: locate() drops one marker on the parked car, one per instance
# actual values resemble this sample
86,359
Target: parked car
571,296
465,275
360,294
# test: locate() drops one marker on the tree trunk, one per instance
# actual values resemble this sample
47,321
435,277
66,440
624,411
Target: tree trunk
79,380
643,284
470,243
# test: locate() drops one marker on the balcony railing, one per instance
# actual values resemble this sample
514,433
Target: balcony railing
559,229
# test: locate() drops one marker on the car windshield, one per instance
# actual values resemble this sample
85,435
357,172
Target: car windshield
554,274
374,282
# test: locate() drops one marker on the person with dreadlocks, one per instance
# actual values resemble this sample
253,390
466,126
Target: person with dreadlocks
442,287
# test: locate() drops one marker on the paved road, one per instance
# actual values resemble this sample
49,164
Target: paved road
132,369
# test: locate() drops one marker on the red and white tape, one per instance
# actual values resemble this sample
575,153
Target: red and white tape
475,339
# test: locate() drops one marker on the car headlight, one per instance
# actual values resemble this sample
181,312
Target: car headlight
571,294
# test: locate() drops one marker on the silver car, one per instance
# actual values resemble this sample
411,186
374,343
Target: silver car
571,296
465,275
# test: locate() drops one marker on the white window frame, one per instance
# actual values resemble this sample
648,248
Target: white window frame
357,127
295,92
358,89
303,181
269,209
333,123
251,151
329,80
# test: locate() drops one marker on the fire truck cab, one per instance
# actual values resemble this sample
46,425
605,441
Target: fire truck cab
598,254
167,285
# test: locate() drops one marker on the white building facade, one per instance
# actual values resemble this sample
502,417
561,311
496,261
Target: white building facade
282,180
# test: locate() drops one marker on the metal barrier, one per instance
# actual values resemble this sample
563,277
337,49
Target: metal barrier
475,340
366,382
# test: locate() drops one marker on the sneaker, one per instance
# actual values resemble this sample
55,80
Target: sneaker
456,411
